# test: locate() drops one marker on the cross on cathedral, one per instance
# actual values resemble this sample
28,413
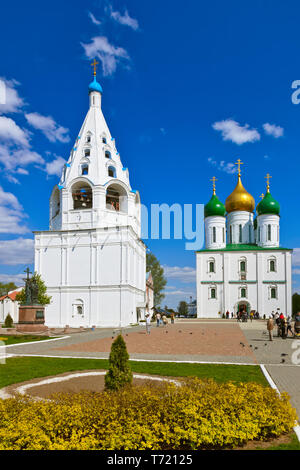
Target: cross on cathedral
268,177
239,163
94,64
214,179
262,195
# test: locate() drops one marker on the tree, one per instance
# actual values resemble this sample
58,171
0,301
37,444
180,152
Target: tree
8,322
6,288
296,303
183,308
43,298
119,373
159,281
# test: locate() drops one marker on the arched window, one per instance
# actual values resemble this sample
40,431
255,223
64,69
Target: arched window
272,265
78,308
84,169
104,141
116,198
259,234
273,293
243,266
243,292
223,235
214,235
55,204
250,234
230,233
240,234
107,154
213,293
82,196
88,139
211,266
87,153
112,171
269,233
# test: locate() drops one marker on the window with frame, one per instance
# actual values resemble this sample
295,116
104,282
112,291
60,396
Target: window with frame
243,292
269,232
211,266
243,266
273,293
213,293
230,233
240,234
214,235
272,266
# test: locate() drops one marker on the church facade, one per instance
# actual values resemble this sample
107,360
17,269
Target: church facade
92,258
243,267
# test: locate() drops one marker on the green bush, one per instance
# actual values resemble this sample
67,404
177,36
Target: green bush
119,373
8,322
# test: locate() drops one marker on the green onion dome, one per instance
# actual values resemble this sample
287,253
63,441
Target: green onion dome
268,205
214,207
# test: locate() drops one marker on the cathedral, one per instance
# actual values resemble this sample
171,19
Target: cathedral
243,267
92,259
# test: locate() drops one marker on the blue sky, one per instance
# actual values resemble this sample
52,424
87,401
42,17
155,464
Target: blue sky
188,89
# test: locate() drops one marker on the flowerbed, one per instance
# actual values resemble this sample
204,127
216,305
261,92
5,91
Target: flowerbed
198,415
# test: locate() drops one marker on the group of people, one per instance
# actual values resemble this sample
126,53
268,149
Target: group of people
160,320
284,325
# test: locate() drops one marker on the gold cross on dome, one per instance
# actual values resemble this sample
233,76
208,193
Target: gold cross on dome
214,179
94,64
239,163
262,195
268,177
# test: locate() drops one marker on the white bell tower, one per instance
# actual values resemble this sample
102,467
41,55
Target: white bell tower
92,258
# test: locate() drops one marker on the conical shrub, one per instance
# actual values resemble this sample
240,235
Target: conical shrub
119,373
8,322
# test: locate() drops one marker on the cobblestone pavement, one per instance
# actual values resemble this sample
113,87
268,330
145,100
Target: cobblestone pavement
221,342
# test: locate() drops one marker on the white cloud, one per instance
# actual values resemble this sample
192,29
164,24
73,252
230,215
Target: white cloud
233,131
11,133
185,274
109,55
15,252
14,158
13,102
94,19
229,168
125,19
11,214
272,129
48,127
16,278
55,167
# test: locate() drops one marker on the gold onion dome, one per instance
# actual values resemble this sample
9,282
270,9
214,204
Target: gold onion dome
240,199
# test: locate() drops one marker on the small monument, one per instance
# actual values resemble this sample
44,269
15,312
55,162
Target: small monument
31,314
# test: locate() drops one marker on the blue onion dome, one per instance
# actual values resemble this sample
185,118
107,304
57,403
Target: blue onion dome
268,205
214,207
95,86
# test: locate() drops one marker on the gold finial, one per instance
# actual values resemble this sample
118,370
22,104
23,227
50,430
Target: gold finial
214,179
239,163
268,177
94,64
262,195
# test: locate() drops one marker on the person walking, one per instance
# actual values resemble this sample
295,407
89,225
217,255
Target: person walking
289,326
148,323
172,318
158,317
165,320
270,327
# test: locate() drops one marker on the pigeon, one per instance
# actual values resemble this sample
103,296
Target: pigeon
191,333
251,346
256,347
282,360
242,344
266,344
284,354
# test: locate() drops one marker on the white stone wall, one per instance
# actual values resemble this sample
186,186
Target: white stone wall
268,237
104,269
235,220
219,225
228,281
